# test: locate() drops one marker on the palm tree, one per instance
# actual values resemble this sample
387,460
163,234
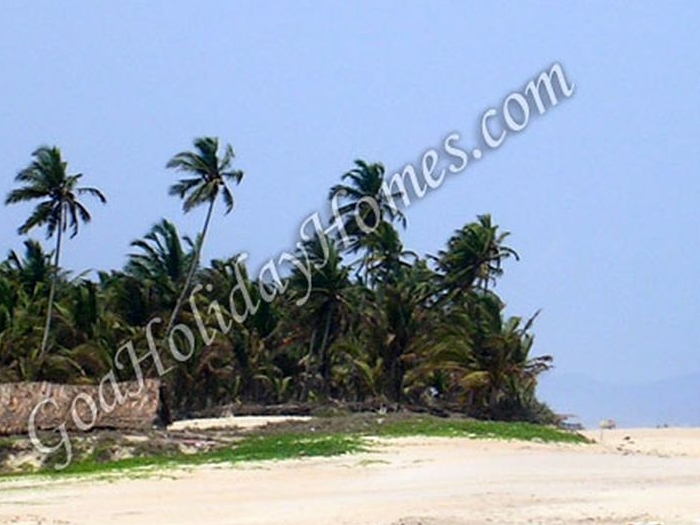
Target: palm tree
325,315
365,185
208,176
46,179
30,271
252,343
504,359
489,355
474,256
386,255
163,261
402,314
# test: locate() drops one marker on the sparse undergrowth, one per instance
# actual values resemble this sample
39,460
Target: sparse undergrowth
320,437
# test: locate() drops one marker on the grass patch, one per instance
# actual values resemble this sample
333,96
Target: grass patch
320,437
432,427
254,448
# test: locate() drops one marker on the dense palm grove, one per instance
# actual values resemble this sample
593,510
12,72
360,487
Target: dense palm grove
378,323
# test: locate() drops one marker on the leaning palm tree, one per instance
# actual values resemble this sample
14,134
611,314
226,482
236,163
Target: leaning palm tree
474,256
207,179
46,179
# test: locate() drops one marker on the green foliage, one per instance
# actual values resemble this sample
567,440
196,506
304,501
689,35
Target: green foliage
474,256
208,176
47,180
376,323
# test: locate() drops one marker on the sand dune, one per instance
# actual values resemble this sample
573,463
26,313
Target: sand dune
633,476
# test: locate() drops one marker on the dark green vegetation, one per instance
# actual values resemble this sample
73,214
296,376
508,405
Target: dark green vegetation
380,323
319,437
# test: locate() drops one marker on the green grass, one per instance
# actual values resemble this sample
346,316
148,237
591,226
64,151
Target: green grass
254,448
331,437
432,427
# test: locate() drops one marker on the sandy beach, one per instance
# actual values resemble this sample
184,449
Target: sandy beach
633,476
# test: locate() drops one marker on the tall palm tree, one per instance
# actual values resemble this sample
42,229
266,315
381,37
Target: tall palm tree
365,183
207,178
46,179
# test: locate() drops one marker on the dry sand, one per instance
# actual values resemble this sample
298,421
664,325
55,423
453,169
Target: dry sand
240,422
633,476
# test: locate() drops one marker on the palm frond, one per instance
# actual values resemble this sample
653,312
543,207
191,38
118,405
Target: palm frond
184,186
93,192
228,198
44,213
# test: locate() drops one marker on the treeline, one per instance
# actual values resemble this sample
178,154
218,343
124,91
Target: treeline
363,320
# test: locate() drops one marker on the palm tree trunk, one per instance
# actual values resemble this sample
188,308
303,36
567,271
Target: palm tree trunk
493,400
52,292
193,270
325,365
306,385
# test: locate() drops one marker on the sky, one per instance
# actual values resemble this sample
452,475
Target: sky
600,194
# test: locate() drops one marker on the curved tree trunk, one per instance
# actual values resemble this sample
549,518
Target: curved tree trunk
192,271
52,292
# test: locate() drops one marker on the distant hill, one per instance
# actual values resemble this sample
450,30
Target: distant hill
673,402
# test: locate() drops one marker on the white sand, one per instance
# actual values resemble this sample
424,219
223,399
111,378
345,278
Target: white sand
655,477
240,422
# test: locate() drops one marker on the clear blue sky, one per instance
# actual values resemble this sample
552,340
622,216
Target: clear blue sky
601,194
